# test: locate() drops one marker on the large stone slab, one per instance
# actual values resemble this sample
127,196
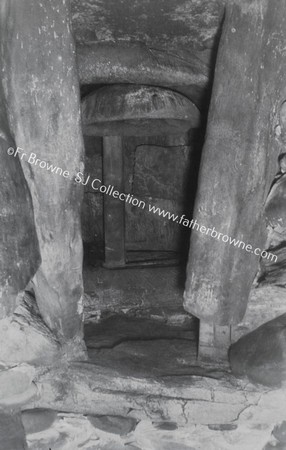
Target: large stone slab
261,354
147,230
19,251
163,23
266,303
149,292
94,390
161,172
160,43
16,386
239,161
44,113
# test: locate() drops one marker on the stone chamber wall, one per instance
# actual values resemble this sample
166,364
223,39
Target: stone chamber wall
159,170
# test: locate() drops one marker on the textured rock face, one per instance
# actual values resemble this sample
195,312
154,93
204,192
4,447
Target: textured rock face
275,207
136,63
272,270
160,170
44,115
194,412
157,42
19,252
71,432
137,110
12,431
25,336
36,420
16,386
261,354
184,23
279,432
238,163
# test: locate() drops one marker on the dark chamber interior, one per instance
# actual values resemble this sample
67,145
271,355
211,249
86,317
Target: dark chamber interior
127,308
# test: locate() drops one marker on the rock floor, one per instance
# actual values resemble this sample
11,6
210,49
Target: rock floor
73,432
139,347
142,387
143,347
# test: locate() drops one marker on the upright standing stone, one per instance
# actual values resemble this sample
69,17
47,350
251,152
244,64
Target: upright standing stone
19,251
42,94
239,159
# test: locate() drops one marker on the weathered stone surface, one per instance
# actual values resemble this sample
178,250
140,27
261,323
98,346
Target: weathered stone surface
137,110
174,446
201,437
132,447
166,426
162,234
261,355
156,356
168,237
223,427
68,432
55,440
19,251
275,445
106,391
279,432
159,43
113,424
272,268
44,114
118,328
25,337
134,63
147,292
131,143
266,303
240,416
161,172
214,342
37,420
238,162
161,22
113,446
274,209
272,272
12,435
77,433
92,218
141,166
16,386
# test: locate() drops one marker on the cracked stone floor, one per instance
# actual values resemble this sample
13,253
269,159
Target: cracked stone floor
137,330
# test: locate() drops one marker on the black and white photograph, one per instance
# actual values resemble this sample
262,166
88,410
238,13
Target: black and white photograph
143,225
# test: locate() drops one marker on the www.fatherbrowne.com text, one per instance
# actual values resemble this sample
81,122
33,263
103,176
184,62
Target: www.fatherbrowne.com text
97,185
